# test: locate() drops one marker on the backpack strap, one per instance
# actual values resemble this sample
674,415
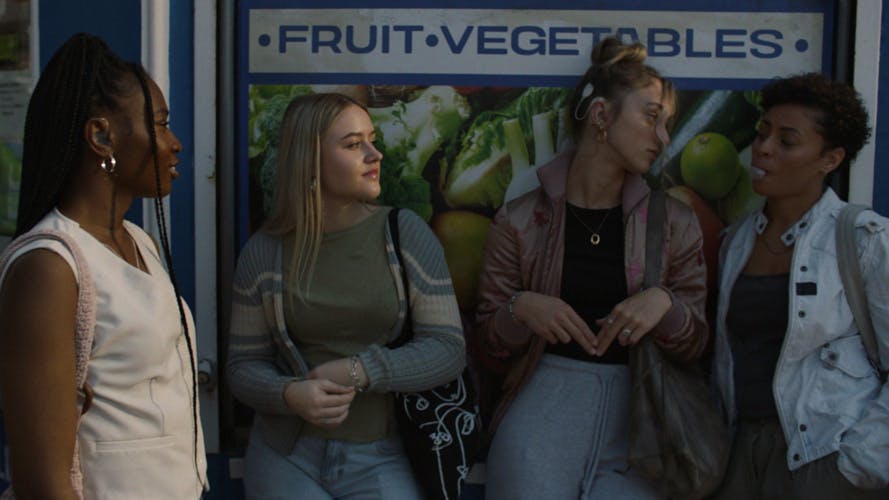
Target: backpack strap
853,284
85,317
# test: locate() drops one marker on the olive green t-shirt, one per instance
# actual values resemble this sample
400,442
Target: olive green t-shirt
352,303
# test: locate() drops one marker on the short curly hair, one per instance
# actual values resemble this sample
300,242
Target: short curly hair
843,119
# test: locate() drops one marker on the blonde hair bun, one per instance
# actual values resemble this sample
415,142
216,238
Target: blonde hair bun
611,51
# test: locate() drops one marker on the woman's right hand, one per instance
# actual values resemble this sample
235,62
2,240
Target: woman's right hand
554,320
320,402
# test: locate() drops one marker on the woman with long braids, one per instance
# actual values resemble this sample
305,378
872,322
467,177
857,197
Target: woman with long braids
561,299
96,138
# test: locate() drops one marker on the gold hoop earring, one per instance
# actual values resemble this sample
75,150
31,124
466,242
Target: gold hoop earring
603,132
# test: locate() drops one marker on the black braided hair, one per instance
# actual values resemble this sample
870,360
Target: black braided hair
165,245
83,75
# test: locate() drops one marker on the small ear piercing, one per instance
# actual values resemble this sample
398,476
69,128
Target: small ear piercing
603,132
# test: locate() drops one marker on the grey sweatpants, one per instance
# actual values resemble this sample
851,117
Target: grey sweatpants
565,437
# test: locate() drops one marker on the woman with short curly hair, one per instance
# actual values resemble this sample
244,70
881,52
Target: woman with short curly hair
810,411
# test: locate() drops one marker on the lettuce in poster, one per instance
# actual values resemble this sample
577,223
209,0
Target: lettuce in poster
265,107
499,145
408,134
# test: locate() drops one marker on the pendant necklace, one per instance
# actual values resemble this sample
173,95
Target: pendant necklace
119,254
594,237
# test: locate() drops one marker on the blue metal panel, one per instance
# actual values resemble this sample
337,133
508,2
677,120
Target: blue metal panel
181,100
881,134
626,5
119,23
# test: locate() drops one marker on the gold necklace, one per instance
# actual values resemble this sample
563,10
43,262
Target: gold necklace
595,239
120,254
771,250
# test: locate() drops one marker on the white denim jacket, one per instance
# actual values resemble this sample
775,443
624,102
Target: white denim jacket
828,395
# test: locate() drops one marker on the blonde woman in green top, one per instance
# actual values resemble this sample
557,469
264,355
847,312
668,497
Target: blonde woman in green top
317,296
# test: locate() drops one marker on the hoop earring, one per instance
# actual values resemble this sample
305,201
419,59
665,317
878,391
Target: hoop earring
602,136
110,166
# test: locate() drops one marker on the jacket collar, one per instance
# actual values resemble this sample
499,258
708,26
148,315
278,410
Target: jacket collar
554,176
828,204
554,181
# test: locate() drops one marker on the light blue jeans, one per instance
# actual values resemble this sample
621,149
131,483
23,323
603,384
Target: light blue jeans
324,469
565,437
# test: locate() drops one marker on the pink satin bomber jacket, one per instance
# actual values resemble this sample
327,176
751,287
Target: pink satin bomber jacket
525,249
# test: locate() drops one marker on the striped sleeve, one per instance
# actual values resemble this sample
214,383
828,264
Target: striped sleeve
437,352
254,377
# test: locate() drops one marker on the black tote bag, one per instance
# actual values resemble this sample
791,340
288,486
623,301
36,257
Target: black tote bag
440,427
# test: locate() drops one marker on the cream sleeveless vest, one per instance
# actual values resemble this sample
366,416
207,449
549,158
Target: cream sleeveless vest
136,440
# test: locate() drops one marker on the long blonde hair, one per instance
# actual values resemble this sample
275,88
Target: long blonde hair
296,210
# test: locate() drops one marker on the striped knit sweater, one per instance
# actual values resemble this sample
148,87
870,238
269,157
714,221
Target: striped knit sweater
263,359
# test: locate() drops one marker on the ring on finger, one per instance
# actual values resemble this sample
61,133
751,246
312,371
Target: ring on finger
626,332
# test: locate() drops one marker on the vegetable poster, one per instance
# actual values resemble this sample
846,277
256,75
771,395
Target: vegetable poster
17,76
468,99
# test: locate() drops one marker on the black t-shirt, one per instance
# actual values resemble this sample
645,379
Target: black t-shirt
756,322
593,277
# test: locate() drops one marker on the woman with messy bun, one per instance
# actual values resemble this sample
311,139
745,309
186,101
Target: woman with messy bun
561,298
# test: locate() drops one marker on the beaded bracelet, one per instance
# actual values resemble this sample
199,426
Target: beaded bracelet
353,373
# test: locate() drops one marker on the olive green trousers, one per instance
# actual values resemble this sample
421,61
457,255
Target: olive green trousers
757,470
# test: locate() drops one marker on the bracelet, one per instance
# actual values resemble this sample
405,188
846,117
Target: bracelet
511,303
353,373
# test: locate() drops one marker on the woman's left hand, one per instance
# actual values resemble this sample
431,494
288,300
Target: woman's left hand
633,318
